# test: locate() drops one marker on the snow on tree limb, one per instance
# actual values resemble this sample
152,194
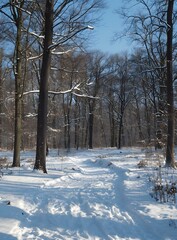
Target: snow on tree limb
69,36
72,90
63,52
54,130
54,53
85,96
37,35
35,57
55,92
90,27
29,92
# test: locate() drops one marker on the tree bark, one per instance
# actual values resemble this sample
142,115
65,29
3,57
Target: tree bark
18,86
170,101
40,163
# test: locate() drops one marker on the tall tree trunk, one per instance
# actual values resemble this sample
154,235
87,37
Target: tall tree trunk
54,140
68,131
84,125
170,102
40,162
90,126
77,117
103,134
138,116
120,131
18,87
112,124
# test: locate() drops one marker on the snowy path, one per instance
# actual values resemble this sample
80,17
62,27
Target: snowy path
86,196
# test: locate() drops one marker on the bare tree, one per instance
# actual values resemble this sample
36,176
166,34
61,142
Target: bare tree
40,162
148,26
71,19
17,13
96,71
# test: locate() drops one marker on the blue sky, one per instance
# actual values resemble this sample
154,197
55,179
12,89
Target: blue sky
104,31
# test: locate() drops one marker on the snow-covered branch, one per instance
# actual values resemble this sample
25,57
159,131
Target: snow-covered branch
29,92
35,57
84,96
54,130
30,115
63,52
22,9
69,36
54,92
66,91
37,35
72,90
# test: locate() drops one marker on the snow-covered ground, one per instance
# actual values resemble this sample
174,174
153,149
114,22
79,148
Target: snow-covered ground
91,194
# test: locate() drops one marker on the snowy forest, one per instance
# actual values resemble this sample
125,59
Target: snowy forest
55,93
87,138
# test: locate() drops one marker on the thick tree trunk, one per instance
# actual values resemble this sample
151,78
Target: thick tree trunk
170,101
40,162
18,130
18,91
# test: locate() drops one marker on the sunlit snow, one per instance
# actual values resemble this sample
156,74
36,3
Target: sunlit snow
87,194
